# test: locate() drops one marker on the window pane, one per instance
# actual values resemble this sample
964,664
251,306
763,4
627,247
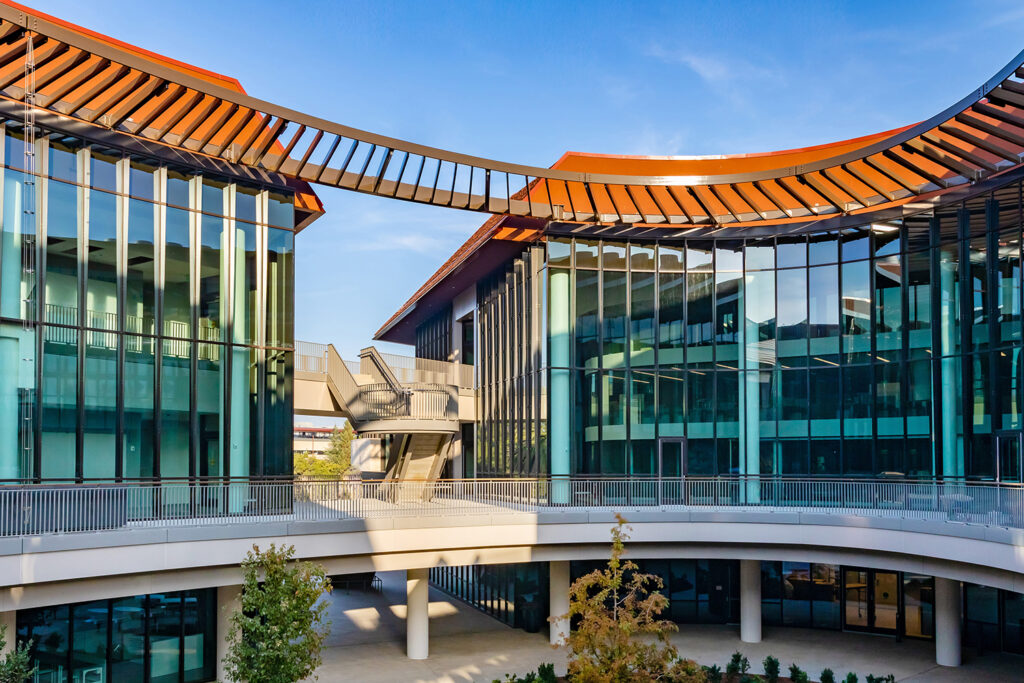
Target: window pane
641,318
174,409
101,286
671,323
62,253
89,635
128,639
177,288
164,637
141,275
48,629
138,407
17,250
856,305
586,319
823,311
281,210
245,284
615,313
278,424
59,403
210,279
200,643
641,257
888,308
209,402
792,317
99,450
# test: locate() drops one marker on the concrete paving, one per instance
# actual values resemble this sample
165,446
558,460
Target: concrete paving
367,644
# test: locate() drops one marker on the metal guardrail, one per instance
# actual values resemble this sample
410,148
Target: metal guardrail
48,509
312,357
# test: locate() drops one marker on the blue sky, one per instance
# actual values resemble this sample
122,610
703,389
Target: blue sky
525,81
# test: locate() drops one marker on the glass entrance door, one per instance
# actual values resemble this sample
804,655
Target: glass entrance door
671,470
871,600
1009,452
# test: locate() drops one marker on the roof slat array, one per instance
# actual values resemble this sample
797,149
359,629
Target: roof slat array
102,83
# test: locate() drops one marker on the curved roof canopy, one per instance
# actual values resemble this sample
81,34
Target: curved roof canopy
111,85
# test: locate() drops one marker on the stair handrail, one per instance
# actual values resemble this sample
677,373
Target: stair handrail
378,363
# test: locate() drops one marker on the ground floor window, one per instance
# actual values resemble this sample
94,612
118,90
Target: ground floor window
157,638
993,619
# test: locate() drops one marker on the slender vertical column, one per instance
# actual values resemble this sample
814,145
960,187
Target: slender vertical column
750,601
952,457
417,615
10,623
558,599
229,601
559,415
947,622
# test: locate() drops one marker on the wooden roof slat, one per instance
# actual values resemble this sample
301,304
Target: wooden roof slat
864,176
209,104
944,158
48,99
131,104
960,132
111,96
157,107
215,125
846,185
957,151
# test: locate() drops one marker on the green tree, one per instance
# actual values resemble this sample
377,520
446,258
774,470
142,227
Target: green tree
617,635
16,665
339,451
278,634
308,465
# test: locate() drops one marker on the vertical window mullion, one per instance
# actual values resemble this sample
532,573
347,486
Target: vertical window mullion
82,173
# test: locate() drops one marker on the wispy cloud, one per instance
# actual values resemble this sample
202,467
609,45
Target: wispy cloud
725,76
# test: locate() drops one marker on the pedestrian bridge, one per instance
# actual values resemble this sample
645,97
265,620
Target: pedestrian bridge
87,541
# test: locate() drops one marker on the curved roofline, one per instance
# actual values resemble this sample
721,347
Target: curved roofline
742,155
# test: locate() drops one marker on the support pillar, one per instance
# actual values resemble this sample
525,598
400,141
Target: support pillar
9,621
750,601
558,600
947,622
229,601
417,614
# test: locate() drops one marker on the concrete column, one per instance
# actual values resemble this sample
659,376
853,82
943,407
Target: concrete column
417,614
947,622
558,600
229,601
750,601
9,621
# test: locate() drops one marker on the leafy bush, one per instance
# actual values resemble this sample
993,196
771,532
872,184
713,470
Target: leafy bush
771,669
546,673
828,676
738,664
797,675
880,679
16,665
712,674
850,678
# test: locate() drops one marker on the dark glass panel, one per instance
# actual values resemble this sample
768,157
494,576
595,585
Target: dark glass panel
613,457
141,268
981,616
586,253
641,318
825,596
857,409
99,450
587,296
1008,377
919,457
613,256
177,280
759,314
281,289
824,401
103,174
979,292
164,637
614,319
245,295
856,245
670,258
791,346
1008,287
856,305
128,639
210,279
918,606
49,630
888,400
793,407
771,593
1013,622
89,622
797,588
141,180
887,238
245,203
278,421
699,318
17,275
281,210
200,634
700,404
919,303
641,401
857,457
101,285
890,456
824,457
671,318
175,434
793,457
728,290
559,252
59,402
888,308
823,314
209,406
139,381
61,254
671,402
178,189
613,399
214,196
727,403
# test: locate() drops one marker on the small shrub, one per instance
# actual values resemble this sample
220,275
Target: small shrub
750,678
546,673
850,678
797,675
733,667
771,669
828,676
880,679
712,674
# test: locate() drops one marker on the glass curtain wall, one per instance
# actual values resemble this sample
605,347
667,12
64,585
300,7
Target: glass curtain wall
893,348
512,433
146,318
156,638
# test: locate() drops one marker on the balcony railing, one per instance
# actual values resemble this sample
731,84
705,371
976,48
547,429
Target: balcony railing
312,357
46,509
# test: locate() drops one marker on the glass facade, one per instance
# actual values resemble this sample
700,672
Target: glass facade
157,638
890,348
146,318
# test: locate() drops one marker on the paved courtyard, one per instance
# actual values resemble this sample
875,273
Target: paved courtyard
367,644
